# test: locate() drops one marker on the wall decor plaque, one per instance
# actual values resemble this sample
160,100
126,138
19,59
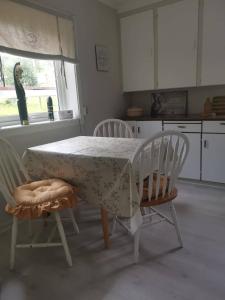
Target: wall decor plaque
102,58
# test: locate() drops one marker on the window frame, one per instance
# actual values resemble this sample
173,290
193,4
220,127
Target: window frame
40,117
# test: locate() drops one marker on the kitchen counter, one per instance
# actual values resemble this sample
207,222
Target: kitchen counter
194,117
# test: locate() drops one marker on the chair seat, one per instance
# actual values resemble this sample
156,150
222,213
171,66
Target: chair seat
160,199
41,197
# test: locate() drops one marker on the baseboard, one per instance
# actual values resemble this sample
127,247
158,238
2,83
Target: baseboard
203,183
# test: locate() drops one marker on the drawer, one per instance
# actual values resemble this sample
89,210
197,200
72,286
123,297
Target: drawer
214,126
183,127
182,122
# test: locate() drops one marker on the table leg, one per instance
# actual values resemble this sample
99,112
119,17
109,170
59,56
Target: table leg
105,227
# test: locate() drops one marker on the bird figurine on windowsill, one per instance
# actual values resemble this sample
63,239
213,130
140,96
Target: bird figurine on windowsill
21,96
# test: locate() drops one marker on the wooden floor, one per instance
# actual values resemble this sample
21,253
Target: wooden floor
196,272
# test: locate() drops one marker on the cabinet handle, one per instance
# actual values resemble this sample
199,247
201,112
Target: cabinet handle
222,123
181,126
206,144
138,129
132,128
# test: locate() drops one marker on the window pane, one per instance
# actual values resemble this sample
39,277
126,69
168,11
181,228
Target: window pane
38,81
67,87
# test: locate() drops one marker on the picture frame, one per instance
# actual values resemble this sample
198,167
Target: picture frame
102,58
169,103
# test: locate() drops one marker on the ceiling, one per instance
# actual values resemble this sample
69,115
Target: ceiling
114,3
126,5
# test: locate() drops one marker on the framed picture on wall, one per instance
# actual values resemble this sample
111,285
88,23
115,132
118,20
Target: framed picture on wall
102,58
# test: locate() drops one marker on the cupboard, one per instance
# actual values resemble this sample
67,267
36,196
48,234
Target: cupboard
178,44
137,42
205,160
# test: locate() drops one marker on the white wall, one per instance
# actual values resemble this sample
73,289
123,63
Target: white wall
100,92
25,137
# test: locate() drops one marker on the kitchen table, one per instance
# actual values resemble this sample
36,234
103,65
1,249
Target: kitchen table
100,167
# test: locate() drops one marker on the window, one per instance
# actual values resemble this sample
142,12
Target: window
49,42
41,79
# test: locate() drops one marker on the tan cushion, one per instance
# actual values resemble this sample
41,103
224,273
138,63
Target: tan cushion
160,199
39,197
162,179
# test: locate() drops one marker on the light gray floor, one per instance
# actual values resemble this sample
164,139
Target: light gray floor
195,272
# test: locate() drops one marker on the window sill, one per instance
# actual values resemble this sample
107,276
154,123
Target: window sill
37,127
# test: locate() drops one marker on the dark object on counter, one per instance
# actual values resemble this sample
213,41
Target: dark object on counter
21,96
50,109
156,105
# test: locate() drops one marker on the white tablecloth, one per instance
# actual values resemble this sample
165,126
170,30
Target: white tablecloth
100,167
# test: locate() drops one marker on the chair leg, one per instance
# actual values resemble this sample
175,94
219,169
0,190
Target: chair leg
174,217
114,222
13,242
136,245
63,238
75,226
105,228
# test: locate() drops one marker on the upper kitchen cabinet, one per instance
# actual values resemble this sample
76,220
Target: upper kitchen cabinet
177,44
213,44
137,40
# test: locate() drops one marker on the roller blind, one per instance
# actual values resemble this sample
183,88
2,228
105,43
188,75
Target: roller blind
34,33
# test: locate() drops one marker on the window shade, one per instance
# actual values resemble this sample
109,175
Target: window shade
34,33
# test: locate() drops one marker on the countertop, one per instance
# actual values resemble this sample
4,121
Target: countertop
193,117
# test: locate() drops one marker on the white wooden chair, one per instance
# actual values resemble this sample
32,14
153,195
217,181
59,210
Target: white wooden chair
13,175
113,128
158,162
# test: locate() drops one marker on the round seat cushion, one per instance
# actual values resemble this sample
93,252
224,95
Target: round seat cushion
146,202
39,197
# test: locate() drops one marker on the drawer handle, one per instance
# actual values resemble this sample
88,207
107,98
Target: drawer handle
222,123
180,126
206,144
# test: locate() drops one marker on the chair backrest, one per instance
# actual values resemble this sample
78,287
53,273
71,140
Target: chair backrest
12,170
159,161
113,128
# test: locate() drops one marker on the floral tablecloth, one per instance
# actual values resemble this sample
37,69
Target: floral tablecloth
100,167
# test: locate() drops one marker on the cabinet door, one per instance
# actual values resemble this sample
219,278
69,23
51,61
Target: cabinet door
213,48
133,126
146,129
177,44
213,162
191,168
137,41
